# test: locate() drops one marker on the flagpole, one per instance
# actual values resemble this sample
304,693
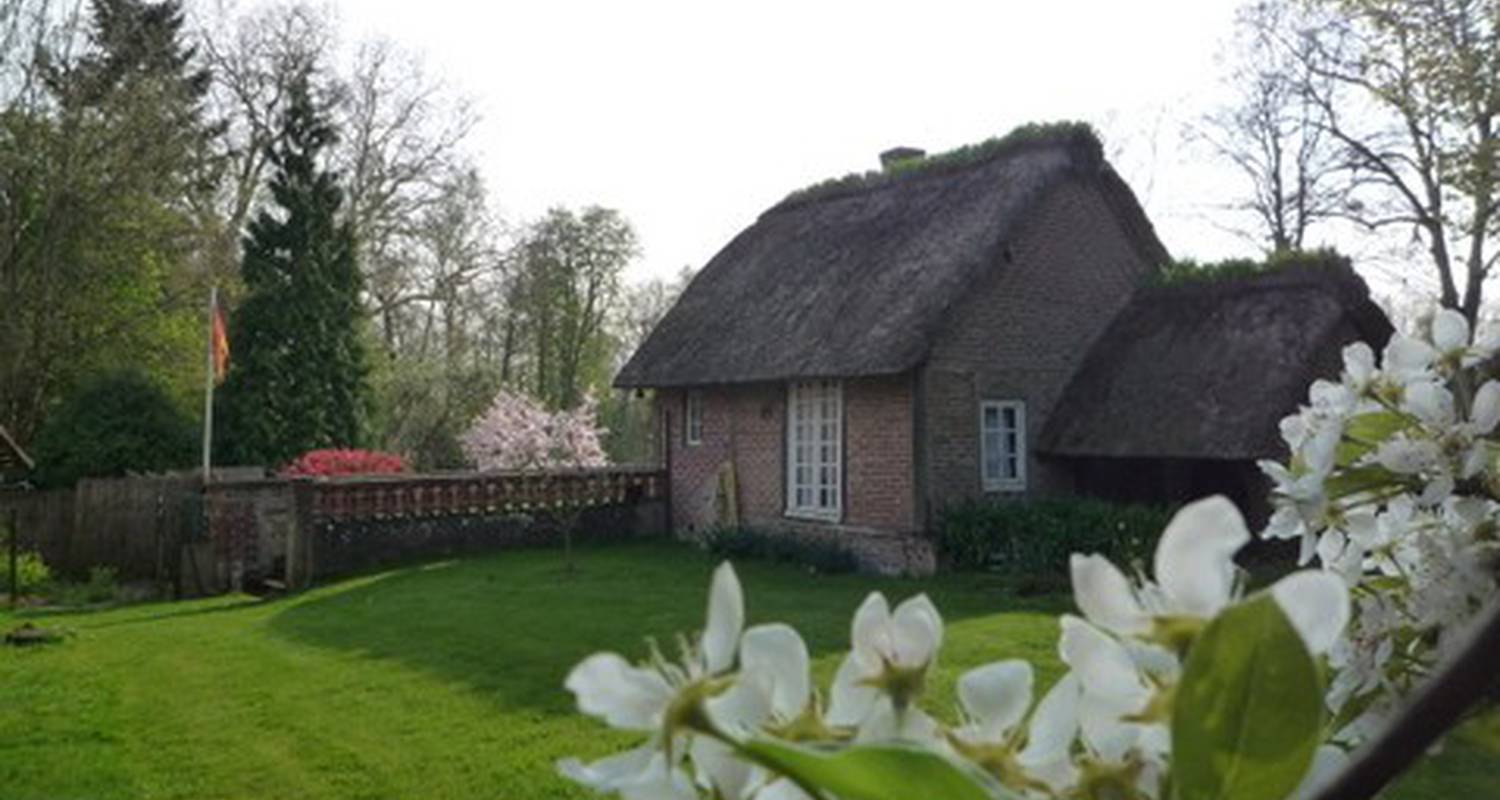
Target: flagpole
208,388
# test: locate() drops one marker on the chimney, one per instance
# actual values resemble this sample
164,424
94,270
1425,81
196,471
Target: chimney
897,155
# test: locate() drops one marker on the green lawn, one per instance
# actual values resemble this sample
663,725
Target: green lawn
443,680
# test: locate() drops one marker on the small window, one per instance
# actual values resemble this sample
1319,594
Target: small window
814,448
693,430
1002,445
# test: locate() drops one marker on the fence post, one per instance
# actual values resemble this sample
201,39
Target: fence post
299,556
15,553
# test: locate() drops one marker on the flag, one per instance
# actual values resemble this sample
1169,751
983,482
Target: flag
220,345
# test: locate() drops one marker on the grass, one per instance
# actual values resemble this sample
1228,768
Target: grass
443,680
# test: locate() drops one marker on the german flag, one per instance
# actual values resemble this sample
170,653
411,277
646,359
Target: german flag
220,344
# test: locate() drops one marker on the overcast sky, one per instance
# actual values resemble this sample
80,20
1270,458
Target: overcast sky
692,118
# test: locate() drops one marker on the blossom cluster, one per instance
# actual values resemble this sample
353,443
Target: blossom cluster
326,463
516,433
1101,730
1391,485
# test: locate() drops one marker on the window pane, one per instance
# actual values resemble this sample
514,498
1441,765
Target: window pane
991,417
1010,417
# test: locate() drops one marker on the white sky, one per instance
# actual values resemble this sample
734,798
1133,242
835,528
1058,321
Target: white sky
691,118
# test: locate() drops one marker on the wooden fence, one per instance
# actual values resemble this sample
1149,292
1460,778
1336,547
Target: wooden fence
134,525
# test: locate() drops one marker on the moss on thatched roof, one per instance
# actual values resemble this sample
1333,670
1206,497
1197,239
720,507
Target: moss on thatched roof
856,279
1193,271
1207,369
1078,134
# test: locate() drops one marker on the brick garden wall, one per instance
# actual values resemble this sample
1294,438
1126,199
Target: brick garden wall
1020,336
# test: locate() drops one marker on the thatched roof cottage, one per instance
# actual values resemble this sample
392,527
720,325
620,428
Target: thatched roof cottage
874,349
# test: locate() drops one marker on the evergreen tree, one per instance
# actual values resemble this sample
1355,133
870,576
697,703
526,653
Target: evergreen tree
297,379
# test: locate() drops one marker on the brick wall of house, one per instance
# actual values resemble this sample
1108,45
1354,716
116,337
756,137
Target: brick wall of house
745,424
1020,336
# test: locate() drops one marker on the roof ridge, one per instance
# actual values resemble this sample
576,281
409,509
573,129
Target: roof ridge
1078,139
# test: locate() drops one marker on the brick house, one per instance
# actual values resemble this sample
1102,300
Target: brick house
873,350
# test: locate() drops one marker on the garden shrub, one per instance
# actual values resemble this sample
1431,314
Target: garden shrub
32,573
325,463
1037,536
118,424
739,544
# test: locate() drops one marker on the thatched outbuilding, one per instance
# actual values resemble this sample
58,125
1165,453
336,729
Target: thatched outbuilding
875,349
1185,389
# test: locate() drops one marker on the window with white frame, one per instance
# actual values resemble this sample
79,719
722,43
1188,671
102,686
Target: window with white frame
814,449
693,428
1002,445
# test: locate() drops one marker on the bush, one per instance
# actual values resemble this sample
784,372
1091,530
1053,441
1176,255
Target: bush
324,463
118,424
32,574
740,544
1036,537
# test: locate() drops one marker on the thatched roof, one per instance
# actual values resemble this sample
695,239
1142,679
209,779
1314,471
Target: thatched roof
1207,370
854,277
13,460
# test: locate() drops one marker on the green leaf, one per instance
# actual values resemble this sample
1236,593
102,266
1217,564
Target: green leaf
876,772
1248,712
1374,427
1364,432
1359,479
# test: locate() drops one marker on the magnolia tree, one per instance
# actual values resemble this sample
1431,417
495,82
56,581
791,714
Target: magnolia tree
517,434
1180,684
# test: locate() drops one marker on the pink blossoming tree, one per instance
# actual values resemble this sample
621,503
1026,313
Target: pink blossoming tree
517,434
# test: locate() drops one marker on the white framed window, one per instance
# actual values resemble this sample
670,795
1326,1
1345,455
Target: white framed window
814,449
692,431
1002,445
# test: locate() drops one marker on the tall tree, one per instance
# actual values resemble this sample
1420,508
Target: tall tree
1409,91
569,277
1269,132
101,128
298,380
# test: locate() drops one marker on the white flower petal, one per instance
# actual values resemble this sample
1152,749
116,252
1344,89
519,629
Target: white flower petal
1406,358
1359,364
660,784
916,631
1317,603
1054,724
726,618
996,696
1102,664
1328,761
1485,414
611,772
1105,596
777,651
624,696
1194,559
723,769
1430,402
1450,331
781,789
1102,731
869,633
743,706
850,702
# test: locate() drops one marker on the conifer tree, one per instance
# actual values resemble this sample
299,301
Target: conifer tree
298,379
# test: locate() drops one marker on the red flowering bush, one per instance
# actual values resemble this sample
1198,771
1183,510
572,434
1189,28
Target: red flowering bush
325,463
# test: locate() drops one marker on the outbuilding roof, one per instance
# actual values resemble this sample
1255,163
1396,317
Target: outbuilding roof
1206,370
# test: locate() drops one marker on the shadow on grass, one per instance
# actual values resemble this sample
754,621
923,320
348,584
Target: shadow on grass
511,625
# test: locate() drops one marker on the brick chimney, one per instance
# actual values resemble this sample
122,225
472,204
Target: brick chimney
896,155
